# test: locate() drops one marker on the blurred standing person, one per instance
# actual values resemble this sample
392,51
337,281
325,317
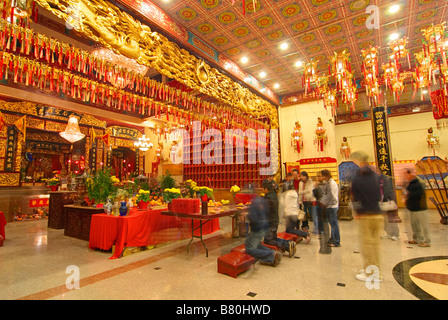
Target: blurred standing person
387,190
416,204
366,196
330,200
307,199
295,179
324,234
287,181
292,214
276,187
281,195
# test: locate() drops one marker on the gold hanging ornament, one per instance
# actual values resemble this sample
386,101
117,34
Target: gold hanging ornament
297,137
394,76
327,94
422,74
341,70
435,48
371,74
321,135
309,79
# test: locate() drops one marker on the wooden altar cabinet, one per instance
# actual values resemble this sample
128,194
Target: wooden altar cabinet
58,199
77,220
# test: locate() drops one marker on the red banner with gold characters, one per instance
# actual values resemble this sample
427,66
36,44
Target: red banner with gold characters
439,104
43,202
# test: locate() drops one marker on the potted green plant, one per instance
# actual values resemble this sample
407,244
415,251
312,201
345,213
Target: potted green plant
143,197
205,193
101,186
169,194
167,181
53,183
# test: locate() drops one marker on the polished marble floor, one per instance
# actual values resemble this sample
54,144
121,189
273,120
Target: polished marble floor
41,263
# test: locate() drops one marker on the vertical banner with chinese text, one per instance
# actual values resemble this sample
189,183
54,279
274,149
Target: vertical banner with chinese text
381,138
93,155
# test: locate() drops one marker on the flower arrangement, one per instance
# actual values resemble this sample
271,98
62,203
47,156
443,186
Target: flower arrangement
202,191
114,180
171,193
234,189
121,195
53,181
143,195
188,188
156,191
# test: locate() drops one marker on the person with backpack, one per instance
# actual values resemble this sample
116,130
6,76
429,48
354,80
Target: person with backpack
330,200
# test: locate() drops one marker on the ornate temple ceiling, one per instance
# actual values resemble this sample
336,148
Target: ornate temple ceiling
313,29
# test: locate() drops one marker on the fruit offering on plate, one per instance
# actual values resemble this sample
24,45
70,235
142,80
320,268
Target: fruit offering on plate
240,204
224,202
248,203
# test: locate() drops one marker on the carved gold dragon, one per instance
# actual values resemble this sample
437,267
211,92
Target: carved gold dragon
107,24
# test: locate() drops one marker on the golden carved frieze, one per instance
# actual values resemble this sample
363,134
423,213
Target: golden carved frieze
105,23
55,126
2,148
44,111
47,137
9,179
123,143
23,107
35,123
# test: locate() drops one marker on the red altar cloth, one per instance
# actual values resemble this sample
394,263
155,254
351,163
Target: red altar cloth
2,224
141,228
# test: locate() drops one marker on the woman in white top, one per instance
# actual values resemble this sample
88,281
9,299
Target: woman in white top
306,197
291,211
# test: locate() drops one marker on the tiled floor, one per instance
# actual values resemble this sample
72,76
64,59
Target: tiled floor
36,263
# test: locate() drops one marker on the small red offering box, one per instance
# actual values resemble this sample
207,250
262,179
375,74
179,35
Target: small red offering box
244,197
185,206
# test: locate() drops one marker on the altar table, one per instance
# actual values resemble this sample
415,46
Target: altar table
139,228
201,221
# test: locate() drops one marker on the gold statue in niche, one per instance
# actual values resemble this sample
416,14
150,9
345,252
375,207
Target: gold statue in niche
116,30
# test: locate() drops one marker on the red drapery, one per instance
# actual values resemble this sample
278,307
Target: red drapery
141,228
2,224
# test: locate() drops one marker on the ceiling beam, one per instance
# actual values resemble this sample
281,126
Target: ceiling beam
34,97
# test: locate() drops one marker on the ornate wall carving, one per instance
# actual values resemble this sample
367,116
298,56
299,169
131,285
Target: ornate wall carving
107,24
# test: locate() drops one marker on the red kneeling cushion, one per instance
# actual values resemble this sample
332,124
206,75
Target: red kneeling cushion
234,263
240,248
289,236
271,247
